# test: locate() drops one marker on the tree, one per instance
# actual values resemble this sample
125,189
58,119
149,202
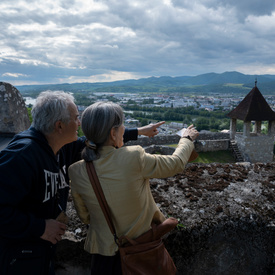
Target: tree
224,124
202,124
29,113
144,121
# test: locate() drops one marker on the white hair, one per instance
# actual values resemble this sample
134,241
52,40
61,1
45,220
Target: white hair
51,106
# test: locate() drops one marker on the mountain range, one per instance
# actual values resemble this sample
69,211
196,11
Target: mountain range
227,82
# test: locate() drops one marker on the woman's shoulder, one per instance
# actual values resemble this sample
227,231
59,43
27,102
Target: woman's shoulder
129,154
132,149
76,166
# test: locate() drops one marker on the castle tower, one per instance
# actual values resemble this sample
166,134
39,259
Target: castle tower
13,112
254,146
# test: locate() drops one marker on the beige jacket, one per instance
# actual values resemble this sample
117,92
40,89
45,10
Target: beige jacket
124,176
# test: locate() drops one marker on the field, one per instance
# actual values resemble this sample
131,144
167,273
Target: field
210,157
217,156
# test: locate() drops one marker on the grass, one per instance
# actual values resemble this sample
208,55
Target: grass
210,157
217,156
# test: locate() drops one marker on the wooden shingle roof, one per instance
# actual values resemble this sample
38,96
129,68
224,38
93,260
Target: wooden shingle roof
253,108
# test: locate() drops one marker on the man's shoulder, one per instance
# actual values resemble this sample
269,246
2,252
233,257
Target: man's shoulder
22,144
30,137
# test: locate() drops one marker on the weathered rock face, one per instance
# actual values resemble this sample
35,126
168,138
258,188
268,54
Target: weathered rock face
227,213
13,112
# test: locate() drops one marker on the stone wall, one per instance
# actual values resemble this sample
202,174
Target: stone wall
205,143
200,146
255,148
157,140
226,214
233,247
159,149
13,112
212,145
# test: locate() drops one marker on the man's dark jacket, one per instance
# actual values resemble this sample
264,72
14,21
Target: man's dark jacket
34,183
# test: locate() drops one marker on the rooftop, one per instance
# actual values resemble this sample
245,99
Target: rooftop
253,108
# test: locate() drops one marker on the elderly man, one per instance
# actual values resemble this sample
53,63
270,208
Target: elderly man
34,183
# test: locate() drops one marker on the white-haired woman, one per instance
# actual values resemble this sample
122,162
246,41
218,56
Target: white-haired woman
124,174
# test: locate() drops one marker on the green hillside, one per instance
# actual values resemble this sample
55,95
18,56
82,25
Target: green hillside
227,82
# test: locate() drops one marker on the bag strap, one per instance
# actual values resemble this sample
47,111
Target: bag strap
101,197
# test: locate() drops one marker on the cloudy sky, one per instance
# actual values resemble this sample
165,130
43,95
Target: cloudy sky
68,41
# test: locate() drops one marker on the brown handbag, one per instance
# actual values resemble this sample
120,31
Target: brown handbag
145,254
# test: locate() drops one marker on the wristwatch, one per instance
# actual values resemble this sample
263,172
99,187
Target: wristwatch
188,137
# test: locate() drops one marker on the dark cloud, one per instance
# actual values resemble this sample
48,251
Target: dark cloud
254,7
67,40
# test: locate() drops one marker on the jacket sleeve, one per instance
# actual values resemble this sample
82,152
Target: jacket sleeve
79,204
80,207
15,183
130,134
162,166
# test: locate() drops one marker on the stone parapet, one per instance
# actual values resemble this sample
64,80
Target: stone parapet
226,221
205,143
256,148
13,112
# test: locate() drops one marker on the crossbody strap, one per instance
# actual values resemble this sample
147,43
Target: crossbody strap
101,197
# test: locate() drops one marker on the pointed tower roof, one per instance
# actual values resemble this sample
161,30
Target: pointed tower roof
253,107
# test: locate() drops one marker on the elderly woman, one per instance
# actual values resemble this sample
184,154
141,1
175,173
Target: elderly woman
124,174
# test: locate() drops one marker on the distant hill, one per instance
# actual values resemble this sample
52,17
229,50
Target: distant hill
227,82
225,78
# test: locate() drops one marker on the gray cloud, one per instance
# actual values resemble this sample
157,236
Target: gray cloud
253,7
71,41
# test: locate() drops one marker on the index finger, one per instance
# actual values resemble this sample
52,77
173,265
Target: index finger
159,123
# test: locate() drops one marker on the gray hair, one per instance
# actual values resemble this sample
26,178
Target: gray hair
50,107
97,121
